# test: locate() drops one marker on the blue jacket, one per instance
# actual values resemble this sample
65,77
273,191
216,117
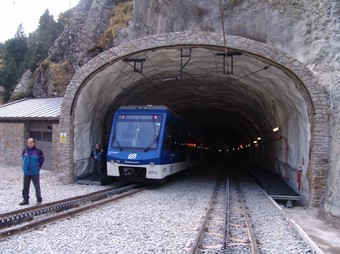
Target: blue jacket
32,160
97,155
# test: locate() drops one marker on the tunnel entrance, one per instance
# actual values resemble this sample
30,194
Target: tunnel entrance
252,101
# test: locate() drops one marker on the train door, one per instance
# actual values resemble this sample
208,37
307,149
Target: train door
43,136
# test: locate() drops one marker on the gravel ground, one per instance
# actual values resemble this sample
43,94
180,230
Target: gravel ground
273,233
51,188
161,220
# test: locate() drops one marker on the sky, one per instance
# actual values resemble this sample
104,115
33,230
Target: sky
28,12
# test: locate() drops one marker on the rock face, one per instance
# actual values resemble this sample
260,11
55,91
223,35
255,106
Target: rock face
51,79
23,86
307,30
79,42
2,91
81,38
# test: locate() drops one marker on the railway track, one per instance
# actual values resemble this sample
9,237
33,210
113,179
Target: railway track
226,226
18,221
240,237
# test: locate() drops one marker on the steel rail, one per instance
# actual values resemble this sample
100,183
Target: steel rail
251,235
199,236
227,214
18,216
59,210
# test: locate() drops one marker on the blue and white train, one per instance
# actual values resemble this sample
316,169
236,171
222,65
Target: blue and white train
150,143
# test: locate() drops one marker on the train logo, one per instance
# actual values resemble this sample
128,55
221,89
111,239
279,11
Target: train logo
132,156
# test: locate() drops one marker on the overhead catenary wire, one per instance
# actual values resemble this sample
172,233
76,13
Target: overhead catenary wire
191,9
222,23
153,85
193,13
195,17
146,78
252,73
131,77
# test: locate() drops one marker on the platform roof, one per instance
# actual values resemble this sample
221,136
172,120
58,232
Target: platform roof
32,109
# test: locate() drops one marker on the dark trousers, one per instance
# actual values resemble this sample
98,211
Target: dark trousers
27,182
96,168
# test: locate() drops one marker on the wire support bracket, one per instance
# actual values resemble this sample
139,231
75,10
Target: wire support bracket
231,55
137,63
184,55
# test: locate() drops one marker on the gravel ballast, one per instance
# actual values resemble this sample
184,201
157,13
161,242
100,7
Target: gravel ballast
160,220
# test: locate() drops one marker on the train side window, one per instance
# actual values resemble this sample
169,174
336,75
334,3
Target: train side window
175,137
167,141
182,139
170,140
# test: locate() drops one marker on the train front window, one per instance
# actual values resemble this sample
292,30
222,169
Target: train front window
136,132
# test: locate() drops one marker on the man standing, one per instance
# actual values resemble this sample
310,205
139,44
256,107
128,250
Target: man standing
32,159
96,155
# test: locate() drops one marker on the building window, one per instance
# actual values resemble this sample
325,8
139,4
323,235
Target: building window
36,135
47,136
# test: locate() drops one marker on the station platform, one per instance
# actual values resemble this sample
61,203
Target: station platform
271,183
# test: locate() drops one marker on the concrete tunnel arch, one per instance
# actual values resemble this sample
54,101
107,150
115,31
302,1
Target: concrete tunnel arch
303,105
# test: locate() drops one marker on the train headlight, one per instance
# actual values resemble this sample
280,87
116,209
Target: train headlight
152,164
112,162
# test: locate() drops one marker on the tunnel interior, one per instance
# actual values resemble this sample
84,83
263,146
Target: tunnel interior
247,106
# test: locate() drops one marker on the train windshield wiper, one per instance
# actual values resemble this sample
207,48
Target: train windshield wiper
116,141
155,135
154,141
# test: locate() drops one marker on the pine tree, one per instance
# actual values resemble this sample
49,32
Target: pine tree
13,66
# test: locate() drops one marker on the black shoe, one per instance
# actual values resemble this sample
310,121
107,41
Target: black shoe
39,202
24,203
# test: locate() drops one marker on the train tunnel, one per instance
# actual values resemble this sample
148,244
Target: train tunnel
249,106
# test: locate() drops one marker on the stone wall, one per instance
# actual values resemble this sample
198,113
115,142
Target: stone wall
12,139
55,147
332,195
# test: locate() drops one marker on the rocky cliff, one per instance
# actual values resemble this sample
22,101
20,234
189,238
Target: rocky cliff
306,29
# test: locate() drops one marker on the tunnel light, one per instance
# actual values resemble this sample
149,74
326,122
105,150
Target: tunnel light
276,129
259,138
255,141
